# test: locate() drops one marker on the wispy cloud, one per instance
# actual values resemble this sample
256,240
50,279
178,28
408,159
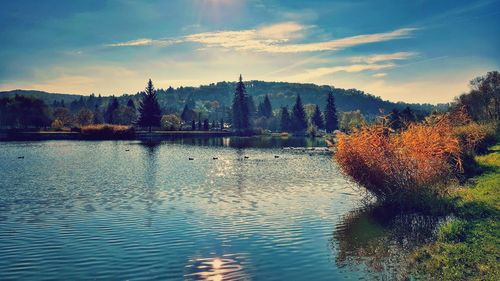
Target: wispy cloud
144,42
379,75
383,57
322,71
271,39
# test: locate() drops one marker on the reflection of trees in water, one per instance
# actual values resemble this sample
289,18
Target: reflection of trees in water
150,173
380,239
246,142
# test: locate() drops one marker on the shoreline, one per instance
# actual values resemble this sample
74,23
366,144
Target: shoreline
139,135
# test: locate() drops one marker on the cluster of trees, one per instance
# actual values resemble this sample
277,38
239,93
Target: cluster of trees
299,121
246,117
145,110
23,112
482,102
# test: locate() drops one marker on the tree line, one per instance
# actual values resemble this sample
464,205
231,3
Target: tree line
243,116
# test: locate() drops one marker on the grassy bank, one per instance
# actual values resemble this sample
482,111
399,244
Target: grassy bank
468,245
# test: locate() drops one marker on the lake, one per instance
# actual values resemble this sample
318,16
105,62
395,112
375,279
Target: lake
138,210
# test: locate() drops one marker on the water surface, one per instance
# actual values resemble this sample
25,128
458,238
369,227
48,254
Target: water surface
138,210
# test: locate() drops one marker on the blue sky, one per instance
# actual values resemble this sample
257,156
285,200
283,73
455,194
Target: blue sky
416,51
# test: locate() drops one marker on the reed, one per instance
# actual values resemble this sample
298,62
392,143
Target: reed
397,166
107,131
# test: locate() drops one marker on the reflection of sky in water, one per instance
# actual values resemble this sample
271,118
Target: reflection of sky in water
91,209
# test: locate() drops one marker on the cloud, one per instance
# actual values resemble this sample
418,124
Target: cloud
143,42
322,71
379,75
383,57
271,39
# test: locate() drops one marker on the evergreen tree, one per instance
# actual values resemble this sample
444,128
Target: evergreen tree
285,120
299,122
185,113
111,111
265,108
317,119
193,125
149,109
241,116
251,107
98,118
131,104
331,121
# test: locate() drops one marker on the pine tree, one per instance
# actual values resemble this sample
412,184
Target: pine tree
317,119
251,107
331,121
299,122
149,109
241,118
185,112
285,119
265,108
110,114
131,104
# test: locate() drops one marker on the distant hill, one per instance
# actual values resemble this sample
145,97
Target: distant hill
49,98
280,94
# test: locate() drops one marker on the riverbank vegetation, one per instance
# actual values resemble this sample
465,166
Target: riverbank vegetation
399,159
439,165
467,246
107,131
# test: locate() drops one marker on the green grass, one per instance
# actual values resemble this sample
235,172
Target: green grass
468,245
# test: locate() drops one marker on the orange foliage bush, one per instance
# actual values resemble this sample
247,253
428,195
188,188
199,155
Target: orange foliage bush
394,165
107,131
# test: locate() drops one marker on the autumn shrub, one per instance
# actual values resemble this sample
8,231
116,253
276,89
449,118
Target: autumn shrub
107,131
396,166
475,138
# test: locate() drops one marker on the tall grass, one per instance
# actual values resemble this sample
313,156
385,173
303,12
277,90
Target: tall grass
107,131
395,165
419,160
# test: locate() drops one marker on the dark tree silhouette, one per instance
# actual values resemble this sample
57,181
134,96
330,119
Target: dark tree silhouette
185,112
149,109
483,100
408,116
221,124
241,116
299,122
111,111
394,120
205,125
285,120
331,121
193,125
265,108
23,112
131,104
317,118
